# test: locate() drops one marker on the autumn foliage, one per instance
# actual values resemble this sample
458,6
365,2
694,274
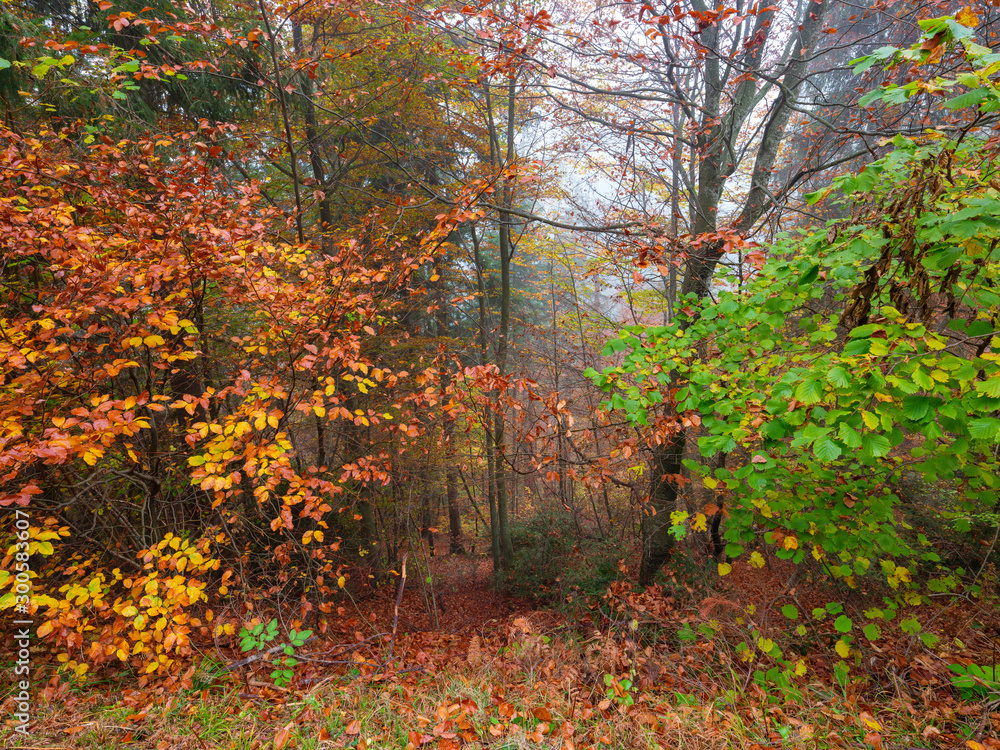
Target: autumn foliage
150,419
280,288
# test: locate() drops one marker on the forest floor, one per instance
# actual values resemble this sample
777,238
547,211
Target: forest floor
654,669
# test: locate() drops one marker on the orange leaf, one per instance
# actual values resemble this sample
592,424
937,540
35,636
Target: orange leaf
354,727
282,735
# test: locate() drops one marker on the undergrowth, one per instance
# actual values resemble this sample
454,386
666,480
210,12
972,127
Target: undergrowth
669,667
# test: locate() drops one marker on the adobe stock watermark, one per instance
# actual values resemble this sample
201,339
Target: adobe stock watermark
23,625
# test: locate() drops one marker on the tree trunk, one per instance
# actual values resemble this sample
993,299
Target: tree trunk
448,430
313,147
658,542
718,143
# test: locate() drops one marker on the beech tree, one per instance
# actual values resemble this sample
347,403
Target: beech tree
701,106
836,405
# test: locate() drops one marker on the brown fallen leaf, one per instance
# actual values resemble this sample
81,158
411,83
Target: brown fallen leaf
282,736
930,732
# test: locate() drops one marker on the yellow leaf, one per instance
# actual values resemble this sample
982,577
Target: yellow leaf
973,745
869,721
307,537
968,19
318,535
273,421
757,560
319,411
135,341
710,483
725,569
341,581
800,668
153,341
700,522
843,650
871,421
790,542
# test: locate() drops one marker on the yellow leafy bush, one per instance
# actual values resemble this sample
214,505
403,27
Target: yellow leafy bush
144,621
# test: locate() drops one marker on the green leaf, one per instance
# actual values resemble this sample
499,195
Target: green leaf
4,64
858,346
810,392
613,346
922,379
790,611
843,624
810,275
876,446
968,99
990,387
850,436
872,631
837,376
984,429
826,449
813,198
917,407
871,96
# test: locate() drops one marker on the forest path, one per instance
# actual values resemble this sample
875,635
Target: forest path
460,596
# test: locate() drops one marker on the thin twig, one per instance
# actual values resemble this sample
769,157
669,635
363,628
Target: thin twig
395,615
